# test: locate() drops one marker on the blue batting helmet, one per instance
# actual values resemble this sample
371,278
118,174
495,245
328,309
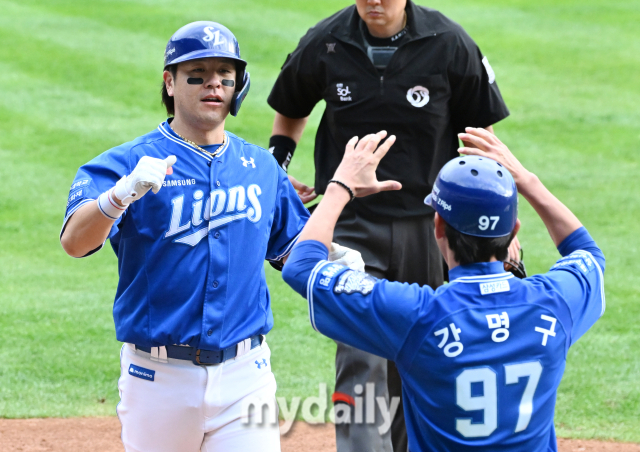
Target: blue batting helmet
476,196
209,40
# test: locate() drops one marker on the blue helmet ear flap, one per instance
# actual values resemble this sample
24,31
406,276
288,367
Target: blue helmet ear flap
239,96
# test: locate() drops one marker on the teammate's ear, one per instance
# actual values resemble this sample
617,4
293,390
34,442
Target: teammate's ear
516,228
167,76
441,239
439,226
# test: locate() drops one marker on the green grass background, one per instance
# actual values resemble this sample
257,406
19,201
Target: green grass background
80,77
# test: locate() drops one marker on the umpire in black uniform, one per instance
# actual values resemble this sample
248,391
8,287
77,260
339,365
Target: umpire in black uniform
384,65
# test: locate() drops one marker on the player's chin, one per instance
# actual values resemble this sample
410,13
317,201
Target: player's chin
215,112
375,20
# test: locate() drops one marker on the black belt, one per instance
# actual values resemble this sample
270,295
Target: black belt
204,357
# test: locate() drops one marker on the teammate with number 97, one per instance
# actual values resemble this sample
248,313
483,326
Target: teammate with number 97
480,358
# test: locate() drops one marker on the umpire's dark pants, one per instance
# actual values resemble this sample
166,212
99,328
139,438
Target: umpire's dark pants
402,250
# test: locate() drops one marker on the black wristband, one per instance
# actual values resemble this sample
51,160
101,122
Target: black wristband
282,148
345,186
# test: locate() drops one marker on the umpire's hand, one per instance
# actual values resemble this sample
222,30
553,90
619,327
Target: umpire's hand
306,193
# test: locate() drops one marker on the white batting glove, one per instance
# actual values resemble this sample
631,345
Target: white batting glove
339,254
148,174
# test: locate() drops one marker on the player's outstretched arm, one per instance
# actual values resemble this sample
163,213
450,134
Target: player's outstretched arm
557,217
375,308
356,174
89,226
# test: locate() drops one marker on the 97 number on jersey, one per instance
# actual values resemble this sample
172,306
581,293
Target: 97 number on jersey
488,402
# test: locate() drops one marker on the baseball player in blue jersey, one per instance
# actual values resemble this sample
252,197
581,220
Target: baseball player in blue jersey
192,304
480,358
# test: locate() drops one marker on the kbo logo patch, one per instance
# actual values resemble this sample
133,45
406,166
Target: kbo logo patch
418,96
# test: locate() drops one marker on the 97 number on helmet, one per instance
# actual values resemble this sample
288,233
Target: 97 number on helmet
484,222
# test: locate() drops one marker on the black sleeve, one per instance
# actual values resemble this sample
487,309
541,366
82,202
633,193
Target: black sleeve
475,97
298,87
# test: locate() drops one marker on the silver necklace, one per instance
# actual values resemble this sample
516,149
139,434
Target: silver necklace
212,154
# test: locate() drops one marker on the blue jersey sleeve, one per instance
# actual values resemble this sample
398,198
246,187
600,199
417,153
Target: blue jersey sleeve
289,219
579,277
580,239
96,177
353,307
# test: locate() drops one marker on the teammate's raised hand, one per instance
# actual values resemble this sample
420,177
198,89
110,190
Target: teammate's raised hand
148,174
358,167
558,219
489,145
357,173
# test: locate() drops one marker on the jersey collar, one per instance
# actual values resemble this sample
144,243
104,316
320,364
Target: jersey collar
481,271
166,130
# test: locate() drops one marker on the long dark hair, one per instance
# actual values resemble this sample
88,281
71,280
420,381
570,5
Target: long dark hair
167,100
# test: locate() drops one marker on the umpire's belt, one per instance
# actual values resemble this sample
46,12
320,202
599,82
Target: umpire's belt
208,357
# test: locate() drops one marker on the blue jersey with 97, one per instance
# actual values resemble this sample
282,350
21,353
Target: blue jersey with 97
480,358
191,257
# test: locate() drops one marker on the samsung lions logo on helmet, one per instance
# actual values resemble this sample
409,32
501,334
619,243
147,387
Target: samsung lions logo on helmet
213,36
418,96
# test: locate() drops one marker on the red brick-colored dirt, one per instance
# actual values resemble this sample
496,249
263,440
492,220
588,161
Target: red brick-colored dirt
103,435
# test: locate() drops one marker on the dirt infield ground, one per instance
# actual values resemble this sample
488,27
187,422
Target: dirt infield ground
103,435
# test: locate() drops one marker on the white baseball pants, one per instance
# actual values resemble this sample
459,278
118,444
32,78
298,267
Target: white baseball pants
176,406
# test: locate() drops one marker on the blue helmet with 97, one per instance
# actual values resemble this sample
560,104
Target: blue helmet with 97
476,196
206,39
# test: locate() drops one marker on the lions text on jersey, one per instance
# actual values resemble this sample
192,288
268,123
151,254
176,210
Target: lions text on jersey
191,256
481,358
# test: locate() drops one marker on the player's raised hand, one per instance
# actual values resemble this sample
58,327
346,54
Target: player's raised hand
489,145
358,167
148,174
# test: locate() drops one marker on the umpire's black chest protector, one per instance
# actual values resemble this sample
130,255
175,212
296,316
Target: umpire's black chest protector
423,97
